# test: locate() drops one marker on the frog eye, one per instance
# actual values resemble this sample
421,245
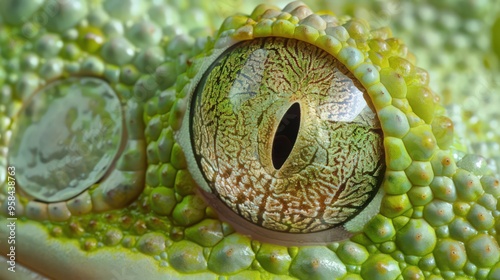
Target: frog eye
284,139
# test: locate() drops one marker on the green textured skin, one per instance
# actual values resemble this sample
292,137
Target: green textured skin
439,216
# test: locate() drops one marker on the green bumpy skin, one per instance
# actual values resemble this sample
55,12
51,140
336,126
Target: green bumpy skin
438,216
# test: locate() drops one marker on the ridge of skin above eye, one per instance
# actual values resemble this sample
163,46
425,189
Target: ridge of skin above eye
438,215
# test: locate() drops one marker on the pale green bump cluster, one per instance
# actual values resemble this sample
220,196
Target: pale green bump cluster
438,217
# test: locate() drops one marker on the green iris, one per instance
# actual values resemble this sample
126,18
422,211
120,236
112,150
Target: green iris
285,136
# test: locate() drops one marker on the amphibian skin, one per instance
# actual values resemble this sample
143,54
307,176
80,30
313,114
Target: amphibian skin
288,145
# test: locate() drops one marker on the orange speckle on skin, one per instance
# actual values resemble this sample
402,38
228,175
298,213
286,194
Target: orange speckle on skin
487,249
229,252
454,255
315,263
470,183
418,237
398,208
382,268
424,176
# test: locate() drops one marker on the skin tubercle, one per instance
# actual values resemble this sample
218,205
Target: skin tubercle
438,214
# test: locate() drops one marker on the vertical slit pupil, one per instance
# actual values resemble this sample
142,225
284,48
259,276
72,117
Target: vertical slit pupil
286,135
